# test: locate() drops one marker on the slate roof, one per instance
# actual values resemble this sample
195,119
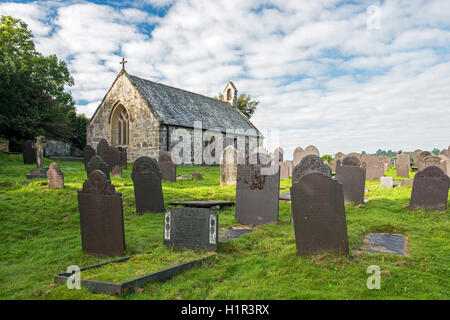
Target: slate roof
179,107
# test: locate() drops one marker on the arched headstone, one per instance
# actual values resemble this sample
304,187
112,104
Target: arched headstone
431,160
256,194
310,163
298,154
112,158
146,177
55,177
430,189
353,179
88,153
101,216
228,166
167,167
97,163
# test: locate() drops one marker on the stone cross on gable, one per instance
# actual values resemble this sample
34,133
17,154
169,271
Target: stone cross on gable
123,63
40,145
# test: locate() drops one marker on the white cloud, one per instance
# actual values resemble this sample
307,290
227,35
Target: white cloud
321,75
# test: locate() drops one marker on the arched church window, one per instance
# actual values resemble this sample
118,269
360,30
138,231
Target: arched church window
229,94
120,127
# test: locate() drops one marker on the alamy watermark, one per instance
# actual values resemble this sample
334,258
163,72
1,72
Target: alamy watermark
374,19
374,281
74,280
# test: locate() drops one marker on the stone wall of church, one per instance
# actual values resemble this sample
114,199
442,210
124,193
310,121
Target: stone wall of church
143,127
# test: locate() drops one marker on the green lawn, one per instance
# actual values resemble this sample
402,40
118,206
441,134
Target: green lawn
40,237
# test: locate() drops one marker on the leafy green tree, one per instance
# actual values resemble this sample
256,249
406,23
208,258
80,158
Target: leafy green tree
436,151
244,103
33,99
328,158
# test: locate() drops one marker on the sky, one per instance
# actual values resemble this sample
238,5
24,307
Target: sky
345,76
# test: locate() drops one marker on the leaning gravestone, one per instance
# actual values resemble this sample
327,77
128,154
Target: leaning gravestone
167,167
257,193
228,166
101,216
97,163
374,168
318,209
88,153
191,228
430,190
29,152
402,165
55,177
146,177
353,179
101,147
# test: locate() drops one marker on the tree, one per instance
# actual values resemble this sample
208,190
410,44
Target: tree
436,151
33,98
244,103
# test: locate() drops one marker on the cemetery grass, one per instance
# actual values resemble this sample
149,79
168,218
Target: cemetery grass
40,237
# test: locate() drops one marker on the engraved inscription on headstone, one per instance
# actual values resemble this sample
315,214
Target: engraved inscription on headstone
430,189
146,178
167,167
353,179
256,194
55,177
318,213
101,216
191,228
97,163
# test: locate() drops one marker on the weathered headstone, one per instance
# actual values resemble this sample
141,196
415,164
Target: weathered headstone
97,163
353,179
55,177
111,156
257,193
386,182
444,152
416,155
123,157
148,193
431,161
430,189
374,168
284,170
101,147
318,210
191,228
167,167
40,171
298,154
402,165
445,164
228,166
311,163
116,171
88,153
279,153
101,216
337,157
357,155
29,152
290,167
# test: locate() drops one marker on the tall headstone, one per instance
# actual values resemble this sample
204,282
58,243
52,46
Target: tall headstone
97,163
191,228
318,210
416,155
430,189
374,168
257,193
55,177
337,157
228,166
284,170
146,177
298,154
402,165
353,179
112,158
40,171
168,167
101,147
101,216
88,153
29,152
290,167
123,157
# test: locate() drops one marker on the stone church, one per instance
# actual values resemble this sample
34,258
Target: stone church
140,115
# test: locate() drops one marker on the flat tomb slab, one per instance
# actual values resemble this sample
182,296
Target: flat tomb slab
123,287
233,233
203,204
386,243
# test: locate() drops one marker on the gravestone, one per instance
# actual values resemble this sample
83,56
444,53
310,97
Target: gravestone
256,193
311,163
318,211
431,161
445,164
191,228
430,189
101,216
167,167
284,170
88,153
374,168
337,157
386,243
279,153
386,182
289,164
112,157
386,162
311,150
123,157
357,155
298,154
353,179
444,152
29,152
146,177
97,163
101,147
416,155
55,177
402,165
40,171
421,157
228,166
116,171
